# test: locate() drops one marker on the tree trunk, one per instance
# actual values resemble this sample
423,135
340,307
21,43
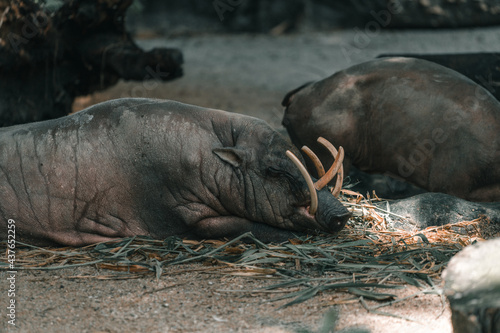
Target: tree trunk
49,56
421,13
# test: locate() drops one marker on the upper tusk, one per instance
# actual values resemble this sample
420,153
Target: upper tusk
314,158
336,166
340,174
338,183
314,196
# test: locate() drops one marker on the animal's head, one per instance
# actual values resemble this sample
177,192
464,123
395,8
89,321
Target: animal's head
331,108
297,111
272,186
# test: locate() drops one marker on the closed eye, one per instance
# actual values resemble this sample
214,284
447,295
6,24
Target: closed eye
275,172
285,177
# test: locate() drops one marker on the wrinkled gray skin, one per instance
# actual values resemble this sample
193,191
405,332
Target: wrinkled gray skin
149,167
405,117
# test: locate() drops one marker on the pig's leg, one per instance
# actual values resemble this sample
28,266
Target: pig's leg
231,226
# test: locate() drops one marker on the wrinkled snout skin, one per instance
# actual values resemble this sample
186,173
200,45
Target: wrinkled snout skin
405,117
150,167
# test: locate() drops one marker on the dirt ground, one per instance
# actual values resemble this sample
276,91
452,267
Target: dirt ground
248,74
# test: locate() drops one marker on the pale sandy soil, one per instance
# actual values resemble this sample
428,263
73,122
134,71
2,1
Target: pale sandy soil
71,300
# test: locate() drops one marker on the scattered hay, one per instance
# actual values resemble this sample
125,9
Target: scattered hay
369,255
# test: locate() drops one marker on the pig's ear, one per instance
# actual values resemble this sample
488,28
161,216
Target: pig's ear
233,156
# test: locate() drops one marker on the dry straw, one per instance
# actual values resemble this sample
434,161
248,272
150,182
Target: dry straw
366,259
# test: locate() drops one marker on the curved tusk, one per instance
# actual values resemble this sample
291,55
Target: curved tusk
314,196
338,184
314,158
334,169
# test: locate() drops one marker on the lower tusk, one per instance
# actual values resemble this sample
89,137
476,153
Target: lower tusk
314,196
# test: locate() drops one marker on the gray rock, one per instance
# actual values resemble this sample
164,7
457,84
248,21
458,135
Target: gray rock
472,285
